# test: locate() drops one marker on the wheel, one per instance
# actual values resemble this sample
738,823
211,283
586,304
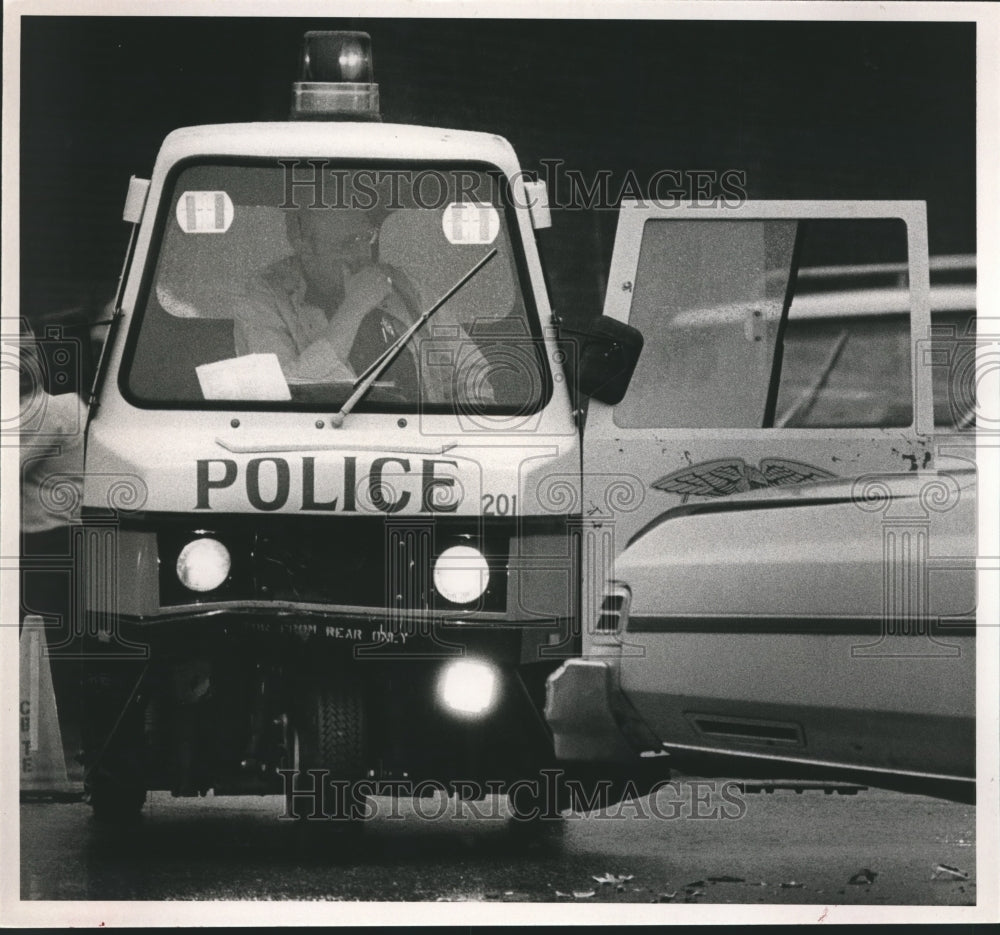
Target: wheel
331,740
114,801
114,748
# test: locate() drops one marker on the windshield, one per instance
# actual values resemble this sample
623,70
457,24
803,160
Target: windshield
277,286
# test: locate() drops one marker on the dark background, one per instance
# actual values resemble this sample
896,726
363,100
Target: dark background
817,110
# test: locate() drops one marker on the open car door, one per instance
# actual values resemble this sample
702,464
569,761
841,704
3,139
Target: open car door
761,528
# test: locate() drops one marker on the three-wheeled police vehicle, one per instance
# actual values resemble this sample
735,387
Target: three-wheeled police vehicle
332,468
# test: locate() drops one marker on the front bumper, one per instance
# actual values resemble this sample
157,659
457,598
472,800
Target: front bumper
590,719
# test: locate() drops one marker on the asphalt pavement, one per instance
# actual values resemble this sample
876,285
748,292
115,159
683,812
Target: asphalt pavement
690,844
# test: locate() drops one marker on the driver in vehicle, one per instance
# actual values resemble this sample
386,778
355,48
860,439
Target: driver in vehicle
312,308
329,310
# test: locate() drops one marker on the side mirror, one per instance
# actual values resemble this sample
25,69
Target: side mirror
608,356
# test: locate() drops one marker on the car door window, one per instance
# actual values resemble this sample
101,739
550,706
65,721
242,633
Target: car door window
710,298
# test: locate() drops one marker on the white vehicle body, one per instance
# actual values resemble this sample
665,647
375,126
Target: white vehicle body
794,600
329,537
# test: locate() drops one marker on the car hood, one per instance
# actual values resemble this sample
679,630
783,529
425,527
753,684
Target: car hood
837,548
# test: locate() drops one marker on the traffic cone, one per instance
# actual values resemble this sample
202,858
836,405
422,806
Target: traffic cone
43,763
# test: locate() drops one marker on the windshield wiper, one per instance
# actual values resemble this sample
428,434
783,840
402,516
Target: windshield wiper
364,382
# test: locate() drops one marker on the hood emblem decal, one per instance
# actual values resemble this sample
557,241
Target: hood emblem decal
725,476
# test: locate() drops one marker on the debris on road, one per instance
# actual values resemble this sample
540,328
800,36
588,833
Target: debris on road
693,890
725,879
863,877
607,878
945,872
792,885
769,787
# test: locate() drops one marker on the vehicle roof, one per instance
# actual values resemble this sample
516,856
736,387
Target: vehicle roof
336,139
851,303
962,263
848,303
880,288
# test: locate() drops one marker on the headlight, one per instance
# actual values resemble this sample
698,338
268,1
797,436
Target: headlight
468,687
461,574
203,564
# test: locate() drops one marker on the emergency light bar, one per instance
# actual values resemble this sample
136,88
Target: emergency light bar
336,78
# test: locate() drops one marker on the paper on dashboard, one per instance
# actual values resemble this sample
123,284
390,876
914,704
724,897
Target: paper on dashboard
252,377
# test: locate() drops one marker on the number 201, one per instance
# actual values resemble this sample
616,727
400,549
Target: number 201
499,504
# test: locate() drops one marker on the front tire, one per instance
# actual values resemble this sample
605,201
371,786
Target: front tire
332,740
115,802
114,747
